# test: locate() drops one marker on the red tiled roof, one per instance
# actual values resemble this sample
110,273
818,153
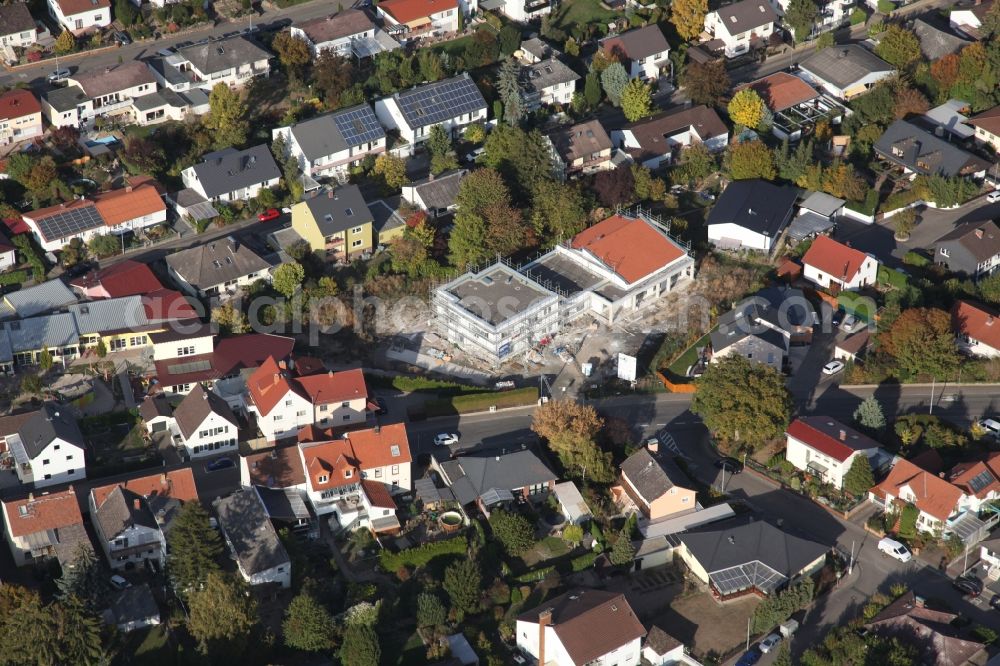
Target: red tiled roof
378,494
963,474
407,11
71,7
50,511
934,496
271,382
630,247
360,449
782,91
18,103
833,258
231,355
307,365
178,484
977,323
167,305
829,437
17,225
330,387
268,384
126,278
128,203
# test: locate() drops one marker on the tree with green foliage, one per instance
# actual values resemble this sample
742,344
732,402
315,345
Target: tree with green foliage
65,43
784,656
989,288
510,39
332,76
222,615
104,245
792,165
513,531
45,359
227,117
85,578
899,47
360,647
288,278
921,342
101,349
622,552
745,160
696,164
308,625
430,610
571,47
742,402
572,534
869,415
705,83
438,141
462,582
801,16
194,548
908,521
825,41
613,80
777,608
859,479
126,12
474,133
592,89
509,89
520,157
688,17
392,171
746,108
558,209
636,100
293,53
230,319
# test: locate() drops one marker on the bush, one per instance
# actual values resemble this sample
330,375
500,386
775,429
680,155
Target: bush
14,277
513,530
775,609
893,277
899,200
537,574
421,555
913,258
886,7
908,521
481,402
984,634
858,16
583,562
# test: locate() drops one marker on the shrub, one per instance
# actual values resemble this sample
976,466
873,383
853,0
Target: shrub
513,530
481,402
583,562
858,16
421,555
984,634
908,521
913,258
14,277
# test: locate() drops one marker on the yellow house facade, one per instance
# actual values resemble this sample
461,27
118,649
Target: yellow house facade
337,223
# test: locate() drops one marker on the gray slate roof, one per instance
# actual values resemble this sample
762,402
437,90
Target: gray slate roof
50,422
229,170
196,407
744,321
15,18
99,82
844,64
440,191
58,330
822,203
547,73
474,474
935,42
756,205
979,239
746,15
222,54
213,263
65,99
285,504
537,48
336,26
108,315
651,476
249,532
737,542
135,604
122,509
925,153
641,42
43,297
335,132
339,209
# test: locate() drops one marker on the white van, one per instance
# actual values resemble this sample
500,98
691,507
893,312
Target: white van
991,427
893,548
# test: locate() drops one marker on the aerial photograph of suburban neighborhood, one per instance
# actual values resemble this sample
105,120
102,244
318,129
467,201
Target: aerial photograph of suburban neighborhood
500,332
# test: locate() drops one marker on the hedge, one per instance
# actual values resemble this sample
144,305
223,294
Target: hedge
576,565
532,576
14,277
893,277
899,200
583,562
421,555
481,402
422,384
868,206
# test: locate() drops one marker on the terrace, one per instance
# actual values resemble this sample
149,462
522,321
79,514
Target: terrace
797,121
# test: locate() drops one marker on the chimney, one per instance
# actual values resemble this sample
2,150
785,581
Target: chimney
653,445
137,503
31,497
979,233
128,188
164,479
544,620
329,194
277,378
843,435
989,320
282,365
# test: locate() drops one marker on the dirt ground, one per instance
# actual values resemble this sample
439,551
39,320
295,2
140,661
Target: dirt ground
706,627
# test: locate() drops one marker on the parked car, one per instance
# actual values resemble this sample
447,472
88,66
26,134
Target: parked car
119,583
383,408
749,658
731,465
833,367
892,548
122,38
991,427
769,643
993,196
474,155
269,214
221,463
446,439
838,316
968,585
850,321
58,75
995,602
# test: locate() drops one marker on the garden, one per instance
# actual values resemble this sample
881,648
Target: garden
116,443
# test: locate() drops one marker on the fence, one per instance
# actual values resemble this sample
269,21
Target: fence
675,388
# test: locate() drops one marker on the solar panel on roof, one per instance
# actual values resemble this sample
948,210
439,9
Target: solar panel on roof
980,481
193,366
440,101
70,222
359,126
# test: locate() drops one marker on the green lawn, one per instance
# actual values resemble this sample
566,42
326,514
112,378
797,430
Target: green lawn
581,13
149,647
455,48
679,367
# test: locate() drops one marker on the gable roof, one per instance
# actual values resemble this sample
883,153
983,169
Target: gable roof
750,318
49,423
215,262
122,509
178,484
432,103
978,478
221,54
231,355
249,531
128,203
989,120
829,437
922,152
167,305
358,449
980,239
99,82
660,642
228,170
652,134
278,468
977,322
638,43
18,103
933,495
834,258
630,247
336,132
336,26
124,278
756,205
40,513
339,209
746,15
844,64
581,140
15,18
652,476
71,7
475,473
782,91
439,192
910,620
407,11
538,76
589,623
196,407
271,382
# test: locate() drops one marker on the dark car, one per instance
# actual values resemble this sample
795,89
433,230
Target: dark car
221,463
838,316
731,465
383,408
995,602
749,658
122,38
968,586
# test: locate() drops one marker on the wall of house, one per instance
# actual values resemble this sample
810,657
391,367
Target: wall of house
81,22
233,77
179,348
305,225
281,574
59,462
674,656
21,39
674,502
338,414
153,545
22,128
754,349
515,9
801,454
748,238
983,136
866,275
215,434
395,477
978,348
285,418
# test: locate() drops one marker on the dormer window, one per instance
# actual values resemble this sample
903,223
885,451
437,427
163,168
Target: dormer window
323,478
348,473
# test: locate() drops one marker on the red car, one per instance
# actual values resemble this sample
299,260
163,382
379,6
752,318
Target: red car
269,214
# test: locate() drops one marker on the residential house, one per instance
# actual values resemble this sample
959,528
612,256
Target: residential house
488,478
30,301
132,517
979,480
582,627
643,51
968,19
525,11
977,328
653,484
435,194
350,33
909,620
337,222
260,556
217,267
951,117
44,447
936,40
654,142
547,82
796,107
852,348
387,223
330,144
126,322
737,28
233,175
827,448
534,50
22,341
452,103
919,152
80,16
793,313
280,480
17,26
283,403
44,526
971,249
20,112
355,476
662,649
738,557
8,253
987,127
837,267
751,214
845,70
157,414
423,18
584,148
133,608
232,60
99,93
938,500
206,423
754,330
125,278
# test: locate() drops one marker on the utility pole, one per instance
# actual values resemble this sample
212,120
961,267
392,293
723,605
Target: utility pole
850,564
931,409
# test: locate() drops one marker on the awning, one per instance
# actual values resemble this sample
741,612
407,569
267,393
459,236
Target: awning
816,467
495,496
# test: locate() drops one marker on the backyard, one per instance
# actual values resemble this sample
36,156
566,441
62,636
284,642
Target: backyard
575,17
116,442
708,629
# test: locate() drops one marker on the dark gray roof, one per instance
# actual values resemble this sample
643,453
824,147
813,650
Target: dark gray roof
747,320
229,170
14,18
937,42
196,407
335,132
652,476
222,54
920,151
52,421
134,604
170,74
581,140
385,216
736,542
336,26
746,15
791,305
547,73
440,191
65,99
249,532
756,205
980,239
154,406
213,263
122,509
639,43
433,103
285,504
537,48
474,474
844,64
339,209
99,82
